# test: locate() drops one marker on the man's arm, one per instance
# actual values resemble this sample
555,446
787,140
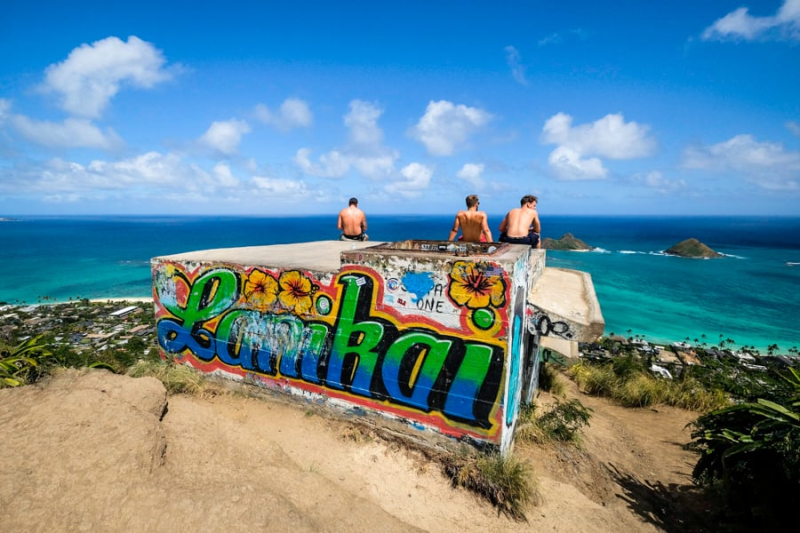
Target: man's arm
485,229
340,223
363,222
535,223
504,224
454,231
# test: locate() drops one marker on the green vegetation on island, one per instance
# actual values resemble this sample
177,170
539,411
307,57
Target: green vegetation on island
692,248
566,242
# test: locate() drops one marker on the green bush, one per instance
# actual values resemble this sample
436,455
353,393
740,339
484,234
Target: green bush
549,380
563,422
752,452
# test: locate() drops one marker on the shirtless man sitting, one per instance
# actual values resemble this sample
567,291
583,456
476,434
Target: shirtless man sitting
352,223
521,224
473,223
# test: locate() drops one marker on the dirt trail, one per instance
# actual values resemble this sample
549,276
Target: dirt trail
90,451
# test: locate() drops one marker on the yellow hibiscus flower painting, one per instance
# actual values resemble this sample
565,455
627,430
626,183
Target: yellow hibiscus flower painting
296,291
260,289
471,287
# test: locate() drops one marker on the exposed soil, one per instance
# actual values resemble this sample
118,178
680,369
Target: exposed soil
91,451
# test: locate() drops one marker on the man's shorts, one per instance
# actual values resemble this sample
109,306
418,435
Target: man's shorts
531,239
359,237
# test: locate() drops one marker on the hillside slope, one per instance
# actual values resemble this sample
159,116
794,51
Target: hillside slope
90,450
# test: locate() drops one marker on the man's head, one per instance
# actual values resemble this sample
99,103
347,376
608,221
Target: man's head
472,200
353,201
527,199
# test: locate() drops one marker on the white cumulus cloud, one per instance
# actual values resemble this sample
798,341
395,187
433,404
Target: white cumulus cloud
656,181
365,152
334,164
293,113
93,73
5,107
223,175
279,188
224,136
416,177
766,164
580,148
514,61
72,133
445,127
740,24
362,121
471,173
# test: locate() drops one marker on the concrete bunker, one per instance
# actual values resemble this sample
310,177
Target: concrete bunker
433,339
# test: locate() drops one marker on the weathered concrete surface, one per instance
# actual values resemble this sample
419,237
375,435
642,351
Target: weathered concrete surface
565,305
568,349
440,337
428,333
319,256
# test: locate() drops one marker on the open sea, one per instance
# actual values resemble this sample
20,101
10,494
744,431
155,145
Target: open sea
752,295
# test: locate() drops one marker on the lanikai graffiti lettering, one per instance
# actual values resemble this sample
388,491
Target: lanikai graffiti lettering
335,337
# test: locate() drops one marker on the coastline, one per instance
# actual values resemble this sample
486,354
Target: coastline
137,299
628,334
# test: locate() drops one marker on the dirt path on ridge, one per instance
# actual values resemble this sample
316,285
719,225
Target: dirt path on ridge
90,451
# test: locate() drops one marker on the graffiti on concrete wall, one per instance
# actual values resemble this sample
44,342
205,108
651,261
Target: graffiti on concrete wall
544,326
336,337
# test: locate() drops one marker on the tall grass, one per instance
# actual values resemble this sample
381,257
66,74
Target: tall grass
562,422
550,382
633,387
507,482
176,378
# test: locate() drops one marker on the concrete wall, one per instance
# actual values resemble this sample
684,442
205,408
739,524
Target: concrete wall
433,342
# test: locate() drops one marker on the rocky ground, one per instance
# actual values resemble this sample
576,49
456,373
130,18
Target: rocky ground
93,451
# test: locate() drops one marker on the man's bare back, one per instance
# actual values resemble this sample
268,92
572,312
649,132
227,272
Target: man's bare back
353,222
520,221
473,223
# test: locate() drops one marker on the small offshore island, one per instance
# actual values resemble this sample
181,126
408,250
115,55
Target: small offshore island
566,242
692,248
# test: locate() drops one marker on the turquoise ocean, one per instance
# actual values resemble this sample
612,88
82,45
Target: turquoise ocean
751,295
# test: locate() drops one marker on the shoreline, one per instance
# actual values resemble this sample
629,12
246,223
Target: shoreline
607,333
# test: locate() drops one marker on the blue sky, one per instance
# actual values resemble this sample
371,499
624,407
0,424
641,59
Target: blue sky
284,108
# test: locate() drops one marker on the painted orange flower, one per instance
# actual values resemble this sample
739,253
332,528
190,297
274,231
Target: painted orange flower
296,291
260,289
471,287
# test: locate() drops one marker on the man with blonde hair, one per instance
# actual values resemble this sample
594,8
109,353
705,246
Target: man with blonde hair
521,224
474,224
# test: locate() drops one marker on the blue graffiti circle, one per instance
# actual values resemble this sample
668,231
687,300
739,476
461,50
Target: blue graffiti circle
323,305
483,318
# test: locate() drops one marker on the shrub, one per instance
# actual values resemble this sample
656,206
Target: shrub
752,451
505,481
563,422
549,380
22,364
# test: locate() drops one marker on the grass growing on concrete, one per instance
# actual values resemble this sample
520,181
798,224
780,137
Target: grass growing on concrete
507,482
176,378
